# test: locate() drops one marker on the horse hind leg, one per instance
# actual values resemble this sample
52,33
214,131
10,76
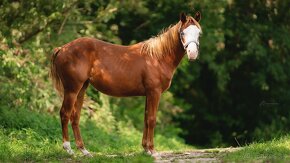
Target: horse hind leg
75,119
65,113
71,91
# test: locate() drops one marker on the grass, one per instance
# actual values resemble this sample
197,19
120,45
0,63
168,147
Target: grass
277,150
28,136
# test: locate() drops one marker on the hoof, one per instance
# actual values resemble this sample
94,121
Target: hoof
70,151
66,146
152,153
155,155
86,153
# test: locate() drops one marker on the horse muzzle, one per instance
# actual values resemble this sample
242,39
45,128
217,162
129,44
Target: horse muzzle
192,51
192,56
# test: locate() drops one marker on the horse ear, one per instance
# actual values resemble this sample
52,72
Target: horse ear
197,16
182,17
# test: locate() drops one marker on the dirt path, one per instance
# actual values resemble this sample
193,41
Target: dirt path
204,155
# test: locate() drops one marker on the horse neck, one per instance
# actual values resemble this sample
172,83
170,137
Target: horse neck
173,59
166,48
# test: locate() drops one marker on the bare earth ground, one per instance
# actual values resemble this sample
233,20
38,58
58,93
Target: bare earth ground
199,155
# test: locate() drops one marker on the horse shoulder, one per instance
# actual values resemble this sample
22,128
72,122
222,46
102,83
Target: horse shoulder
157,76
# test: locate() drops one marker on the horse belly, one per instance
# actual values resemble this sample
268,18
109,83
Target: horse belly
118,86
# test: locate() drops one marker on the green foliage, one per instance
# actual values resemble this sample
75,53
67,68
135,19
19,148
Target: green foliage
241,84
24,80
131,111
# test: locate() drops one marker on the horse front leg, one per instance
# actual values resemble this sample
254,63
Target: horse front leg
152,102
145,129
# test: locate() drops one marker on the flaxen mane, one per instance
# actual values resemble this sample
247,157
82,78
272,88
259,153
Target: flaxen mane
163,43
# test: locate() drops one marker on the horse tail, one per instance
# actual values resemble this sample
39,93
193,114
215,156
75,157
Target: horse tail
53,72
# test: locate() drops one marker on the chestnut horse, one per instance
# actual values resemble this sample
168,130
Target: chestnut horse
142,69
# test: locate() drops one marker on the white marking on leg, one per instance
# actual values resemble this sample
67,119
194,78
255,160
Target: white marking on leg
66,146
156,155
86,152
153,153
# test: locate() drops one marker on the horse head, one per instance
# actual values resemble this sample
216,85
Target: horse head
189,33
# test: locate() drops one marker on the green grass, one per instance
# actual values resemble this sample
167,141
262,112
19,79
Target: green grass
277,150
30,136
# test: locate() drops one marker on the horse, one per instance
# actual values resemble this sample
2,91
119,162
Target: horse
143,69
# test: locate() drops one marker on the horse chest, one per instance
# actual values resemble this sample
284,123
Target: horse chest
166,82
166,75
161,80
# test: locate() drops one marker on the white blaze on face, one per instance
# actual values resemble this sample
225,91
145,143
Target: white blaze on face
191,41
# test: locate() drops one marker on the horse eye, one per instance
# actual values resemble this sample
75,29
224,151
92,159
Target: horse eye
182,33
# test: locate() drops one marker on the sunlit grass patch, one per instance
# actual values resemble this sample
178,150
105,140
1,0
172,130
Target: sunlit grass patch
27,145
29,136
277,150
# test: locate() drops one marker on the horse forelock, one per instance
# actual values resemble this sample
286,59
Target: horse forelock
162,44
195,22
